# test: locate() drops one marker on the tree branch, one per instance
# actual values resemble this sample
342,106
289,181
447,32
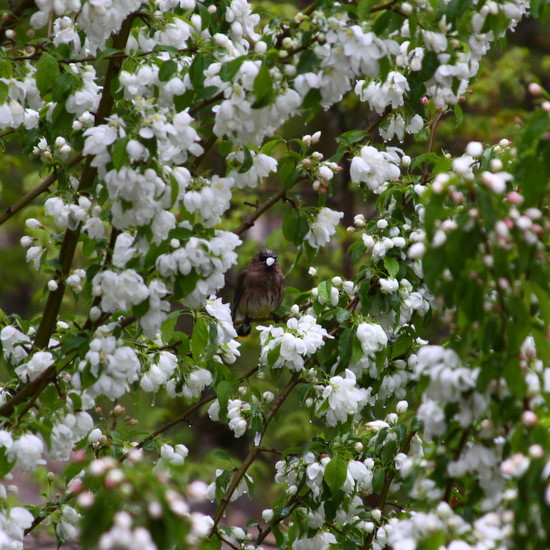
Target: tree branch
386,488
254,451
433,130
31,195
70,240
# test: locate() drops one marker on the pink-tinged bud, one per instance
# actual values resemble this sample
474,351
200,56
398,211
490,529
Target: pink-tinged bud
425,100
119,409
537,229
508,223
76,486
85,500
134,421
99,410
110,483
514,197
79,456
338,169
457,196
535,89
306,162
529,418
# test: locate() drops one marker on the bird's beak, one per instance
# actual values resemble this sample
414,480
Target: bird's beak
270,261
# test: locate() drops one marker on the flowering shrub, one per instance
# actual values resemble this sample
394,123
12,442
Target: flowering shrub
425,371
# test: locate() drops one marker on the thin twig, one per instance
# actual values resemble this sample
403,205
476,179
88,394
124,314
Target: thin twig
169,425
68,246
433,130
290,506
386,488
253,453
31,195
376,122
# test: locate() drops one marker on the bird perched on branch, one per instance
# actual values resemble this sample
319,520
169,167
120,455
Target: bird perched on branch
259,290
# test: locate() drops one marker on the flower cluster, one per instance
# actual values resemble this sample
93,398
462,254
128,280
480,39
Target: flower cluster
291,344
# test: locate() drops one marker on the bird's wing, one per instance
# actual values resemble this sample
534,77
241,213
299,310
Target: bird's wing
239,287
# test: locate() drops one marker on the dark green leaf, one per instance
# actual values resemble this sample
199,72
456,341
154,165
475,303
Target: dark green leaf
4,90
199,338
335,473
167,70
295,227
47,72
119,154
391,265
229,70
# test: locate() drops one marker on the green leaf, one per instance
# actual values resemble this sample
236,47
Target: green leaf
295,226
5,464
391,265
4,90
6,69
184,285
167,328
248,161
345,346
199,338
459,115
229,70
401,345
378,479
47,72
307,61
336,472
363,8
63,85
167,69
388,452
287,172
224,390
196,71
119,154
351,137
263,87
324,290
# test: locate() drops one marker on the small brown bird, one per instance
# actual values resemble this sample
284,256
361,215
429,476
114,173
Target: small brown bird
259,290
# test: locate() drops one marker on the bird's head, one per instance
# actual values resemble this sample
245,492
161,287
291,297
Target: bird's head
267,257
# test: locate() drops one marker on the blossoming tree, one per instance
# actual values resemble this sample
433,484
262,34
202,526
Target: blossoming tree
151,120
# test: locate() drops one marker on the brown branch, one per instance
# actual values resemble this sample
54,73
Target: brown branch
31,195
290,506
70,240
190,410
433,130
252,217
169,425
387,483
377,121
206,103
253,453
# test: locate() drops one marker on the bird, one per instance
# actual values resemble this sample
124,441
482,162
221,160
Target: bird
259,290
